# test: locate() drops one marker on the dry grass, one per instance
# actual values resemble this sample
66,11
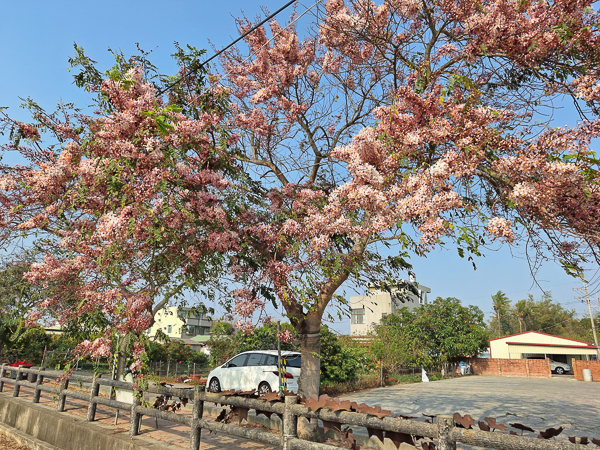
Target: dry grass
365,382
372,381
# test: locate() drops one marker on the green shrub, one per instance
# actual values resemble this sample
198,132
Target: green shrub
341,360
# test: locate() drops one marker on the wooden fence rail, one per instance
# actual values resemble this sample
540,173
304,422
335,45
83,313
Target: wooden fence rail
443,432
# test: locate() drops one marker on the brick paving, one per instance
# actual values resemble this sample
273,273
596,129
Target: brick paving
170,433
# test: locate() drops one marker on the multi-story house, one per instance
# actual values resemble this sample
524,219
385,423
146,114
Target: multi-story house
368,309
180,323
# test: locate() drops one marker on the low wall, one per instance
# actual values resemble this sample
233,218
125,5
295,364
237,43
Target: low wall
532,368
66,431
579,365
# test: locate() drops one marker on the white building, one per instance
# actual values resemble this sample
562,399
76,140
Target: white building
180,323
368,309
536,345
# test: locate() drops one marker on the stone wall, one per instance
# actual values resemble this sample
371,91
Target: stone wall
532,368
579,365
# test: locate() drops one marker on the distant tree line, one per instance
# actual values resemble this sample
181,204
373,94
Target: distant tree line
543,314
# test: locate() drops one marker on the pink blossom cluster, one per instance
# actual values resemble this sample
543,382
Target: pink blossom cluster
499,227
286,336
246,302
109,202
29,131
100,347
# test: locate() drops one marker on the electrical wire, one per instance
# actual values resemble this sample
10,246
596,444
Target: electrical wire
175,83
274,36
555,325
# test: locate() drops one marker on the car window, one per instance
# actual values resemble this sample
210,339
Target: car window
238,361
270,360
254,359
293,361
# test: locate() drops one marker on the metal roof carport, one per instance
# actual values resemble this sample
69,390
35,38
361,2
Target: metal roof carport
522,348
534,343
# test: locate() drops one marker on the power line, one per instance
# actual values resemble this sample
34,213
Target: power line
175,83
555,325
282,30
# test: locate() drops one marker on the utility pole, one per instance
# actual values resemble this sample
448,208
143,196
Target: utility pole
587,298
593,324
279,368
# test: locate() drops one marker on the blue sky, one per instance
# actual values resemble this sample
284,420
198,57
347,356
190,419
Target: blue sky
38,39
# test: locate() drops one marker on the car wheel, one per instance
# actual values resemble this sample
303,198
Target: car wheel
560,370
214,385
264,388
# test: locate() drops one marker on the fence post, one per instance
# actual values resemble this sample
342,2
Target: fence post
2,375
136,417
37,392
290,422
19,377
62,395
445,424
91,414
197,412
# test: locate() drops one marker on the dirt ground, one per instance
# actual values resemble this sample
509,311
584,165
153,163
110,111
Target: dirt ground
7,443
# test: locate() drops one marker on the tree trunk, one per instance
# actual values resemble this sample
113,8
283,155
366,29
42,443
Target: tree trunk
121,361
310,344
520,325
499,325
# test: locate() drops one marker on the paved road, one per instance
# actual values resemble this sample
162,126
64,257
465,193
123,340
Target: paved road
539,403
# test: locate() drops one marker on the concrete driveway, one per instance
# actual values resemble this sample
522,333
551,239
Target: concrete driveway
539,403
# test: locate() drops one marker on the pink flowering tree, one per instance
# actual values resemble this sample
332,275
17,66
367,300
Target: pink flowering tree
410,124
127,203
405,124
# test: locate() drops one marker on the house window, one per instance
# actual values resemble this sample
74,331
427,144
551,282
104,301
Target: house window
194,315
170,329
358,315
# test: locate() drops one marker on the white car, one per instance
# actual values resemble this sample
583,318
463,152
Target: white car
255,370
559,368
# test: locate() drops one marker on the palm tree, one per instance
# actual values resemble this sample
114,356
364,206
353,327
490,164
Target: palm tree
501,305
522,310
